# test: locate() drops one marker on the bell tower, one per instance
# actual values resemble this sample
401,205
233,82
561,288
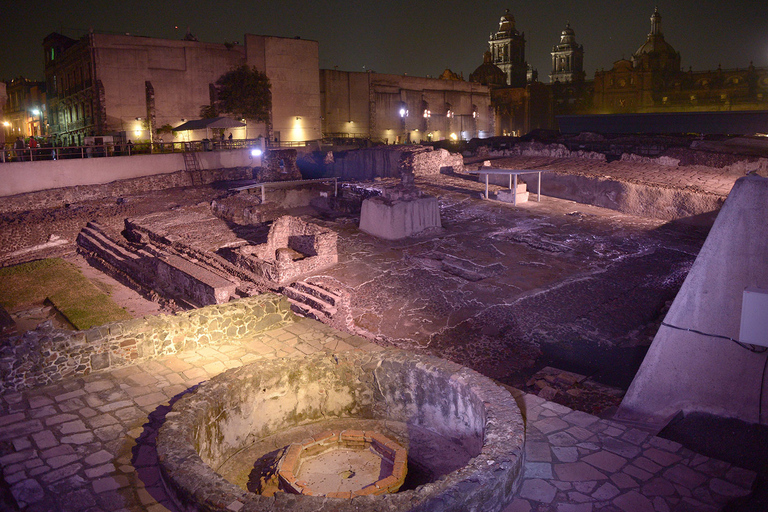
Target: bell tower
567,58
507,48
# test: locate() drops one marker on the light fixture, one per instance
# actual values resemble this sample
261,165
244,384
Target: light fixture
36,111
183,120
255,152
298,118
403,112
138,119
427,113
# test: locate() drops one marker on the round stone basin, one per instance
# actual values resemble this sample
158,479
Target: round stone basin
462,436
344,464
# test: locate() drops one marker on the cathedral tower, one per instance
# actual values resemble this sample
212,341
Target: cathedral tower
507,48
567,58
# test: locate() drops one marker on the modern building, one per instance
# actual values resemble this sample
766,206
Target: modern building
403,109
136,87
24,109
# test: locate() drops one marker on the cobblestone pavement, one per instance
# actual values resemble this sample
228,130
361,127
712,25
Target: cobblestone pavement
88,443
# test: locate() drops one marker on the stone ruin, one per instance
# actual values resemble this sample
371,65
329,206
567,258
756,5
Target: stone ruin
400,211
462,435
381,162
294,247
277,165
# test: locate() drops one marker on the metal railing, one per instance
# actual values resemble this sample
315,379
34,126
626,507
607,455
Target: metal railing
9,153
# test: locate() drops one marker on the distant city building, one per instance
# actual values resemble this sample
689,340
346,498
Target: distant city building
24,109
403,109
4,123
650,82
130,86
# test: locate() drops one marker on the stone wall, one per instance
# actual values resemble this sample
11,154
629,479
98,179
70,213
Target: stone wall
47,355
427,163
170,276
59,197
380,162
293,248
278,165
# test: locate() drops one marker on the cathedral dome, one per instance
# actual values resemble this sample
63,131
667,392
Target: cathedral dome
488,73
656,53
507,23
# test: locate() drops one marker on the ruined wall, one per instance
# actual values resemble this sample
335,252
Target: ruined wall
427,163
380,162
294,247
59,197
47,355
278,165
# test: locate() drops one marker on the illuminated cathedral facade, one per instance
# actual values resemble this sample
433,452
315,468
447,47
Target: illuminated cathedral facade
651,81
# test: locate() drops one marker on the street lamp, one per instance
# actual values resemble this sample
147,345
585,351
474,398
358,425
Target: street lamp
37,113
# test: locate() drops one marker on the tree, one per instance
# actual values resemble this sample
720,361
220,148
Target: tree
244,92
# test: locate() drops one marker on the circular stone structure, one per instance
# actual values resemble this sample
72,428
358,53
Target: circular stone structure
343,465
404,394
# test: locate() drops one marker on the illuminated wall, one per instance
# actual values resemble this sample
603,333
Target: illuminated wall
398,109
292,66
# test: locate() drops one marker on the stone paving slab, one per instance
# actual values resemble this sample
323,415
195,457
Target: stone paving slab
576,462
88,443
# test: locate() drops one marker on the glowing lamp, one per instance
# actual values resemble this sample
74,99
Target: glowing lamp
255,152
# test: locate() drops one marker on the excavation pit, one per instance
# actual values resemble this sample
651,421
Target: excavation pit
451,438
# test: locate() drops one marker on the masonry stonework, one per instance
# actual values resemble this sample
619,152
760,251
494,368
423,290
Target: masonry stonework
48,355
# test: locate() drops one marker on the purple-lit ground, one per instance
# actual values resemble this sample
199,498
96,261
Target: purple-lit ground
503,290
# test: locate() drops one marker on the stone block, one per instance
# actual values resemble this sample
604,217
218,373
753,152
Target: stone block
393,220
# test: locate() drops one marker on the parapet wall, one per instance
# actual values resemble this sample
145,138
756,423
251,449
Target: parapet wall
47,355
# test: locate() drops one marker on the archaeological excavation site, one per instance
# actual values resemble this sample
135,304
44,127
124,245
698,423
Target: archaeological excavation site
507,325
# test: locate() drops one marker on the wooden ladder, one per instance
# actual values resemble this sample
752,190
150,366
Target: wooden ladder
191,164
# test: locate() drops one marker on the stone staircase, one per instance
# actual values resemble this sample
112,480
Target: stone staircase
154,273
116,259
313,300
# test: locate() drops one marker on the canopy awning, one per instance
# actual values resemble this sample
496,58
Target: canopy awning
204,124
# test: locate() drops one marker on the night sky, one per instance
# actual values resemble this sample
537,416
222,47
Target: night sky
415,37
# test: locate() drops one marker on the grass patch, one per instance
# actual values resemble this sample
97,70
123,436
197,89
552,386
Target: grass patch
75,297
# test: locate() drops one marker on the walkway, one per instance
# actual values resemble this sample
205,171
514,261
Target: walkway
88,443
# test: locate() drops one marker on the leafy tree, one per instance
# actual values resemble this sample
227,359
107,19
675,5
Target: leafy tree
208,112
244,92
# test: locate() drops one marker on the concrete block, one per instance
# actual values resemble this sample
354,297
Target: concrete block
393,220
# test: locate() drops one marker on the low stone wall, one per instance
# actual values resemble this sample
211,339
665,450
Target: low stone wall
468,412
633,198
47,355
59,197
294,247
